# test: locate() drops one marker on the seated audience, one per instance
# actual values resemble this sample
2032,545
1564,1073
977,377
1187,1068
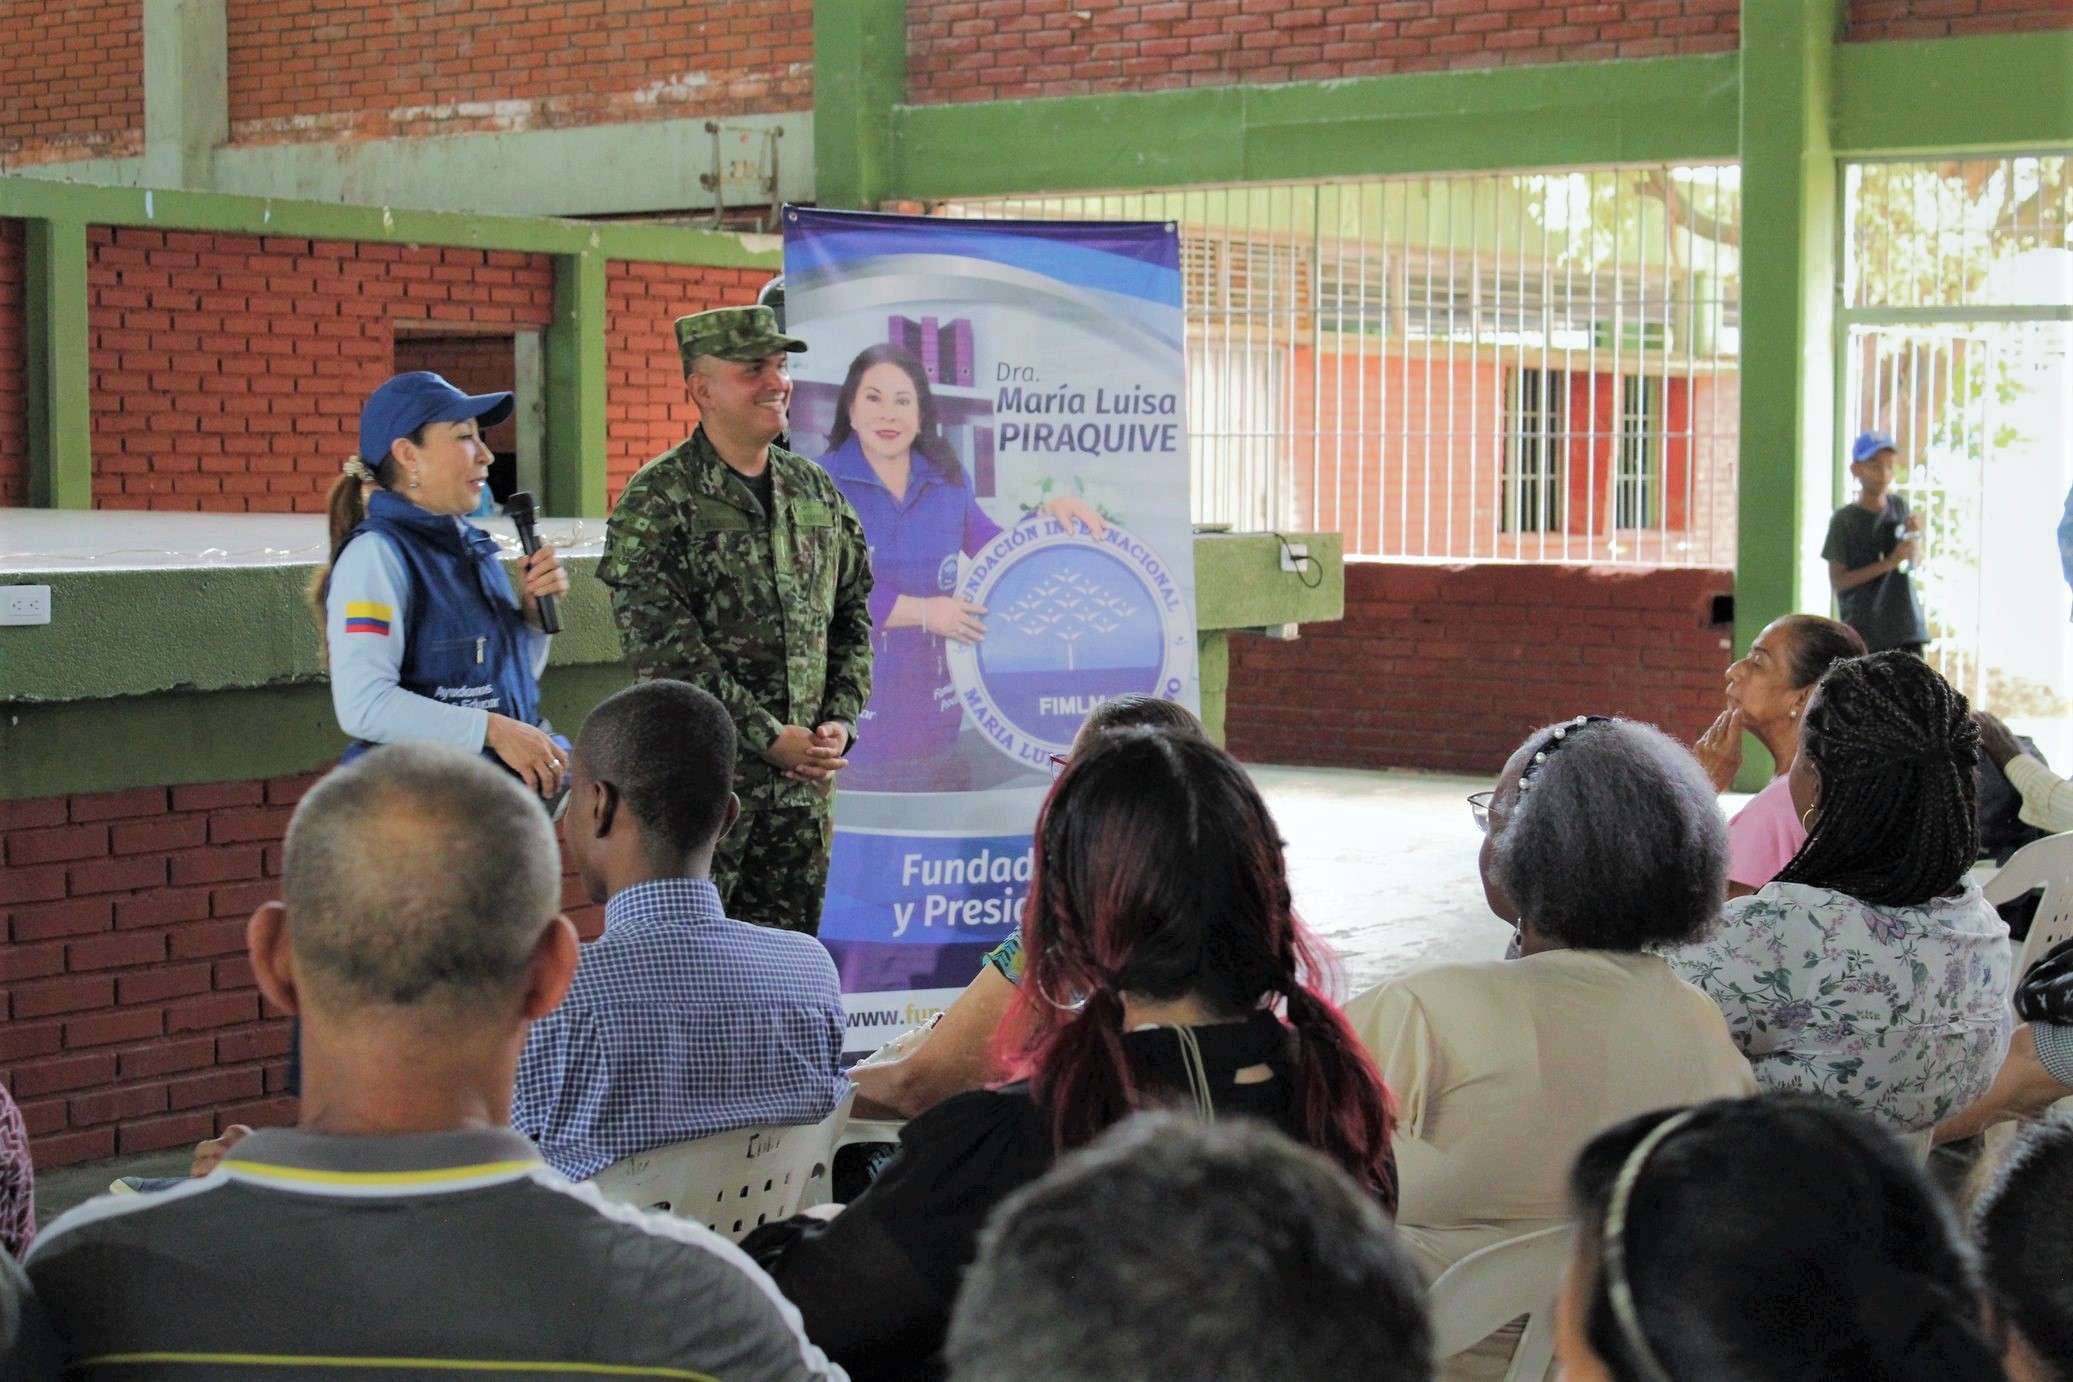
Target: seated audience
1603,842
1871,970
2022,1223
1777,1239
1162,952
17,1181
1767,692
2047,797
1118,1266
401,1219
680,1022
957,1052
2038,1070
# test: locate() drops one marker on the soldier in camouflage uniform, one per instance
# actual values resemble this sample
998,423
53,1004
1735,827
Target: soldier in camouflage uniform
739,567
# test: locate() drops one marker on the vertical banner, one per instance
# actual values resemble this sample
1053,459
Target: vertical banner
1001,401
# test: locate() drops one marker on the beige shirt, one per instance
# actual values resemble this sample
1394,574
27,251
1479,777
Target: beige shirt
2047,797
1504,1069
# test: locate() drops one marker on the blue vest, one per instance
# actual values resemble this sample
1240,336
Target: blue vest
466,641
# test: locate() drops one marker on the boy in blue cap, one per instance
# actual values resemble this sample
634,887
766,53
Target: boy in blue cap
1869,539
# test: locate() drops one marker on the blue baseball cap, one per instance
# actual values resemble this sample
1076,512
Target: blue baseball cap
1870,444
409,401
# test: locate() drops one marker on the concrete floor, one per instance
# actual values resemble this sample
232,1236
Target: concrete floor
1383,866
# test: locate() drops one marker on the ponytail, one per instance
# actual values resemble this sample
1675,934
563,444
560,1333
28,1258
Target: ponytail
1346,1111
1081,1074
346,507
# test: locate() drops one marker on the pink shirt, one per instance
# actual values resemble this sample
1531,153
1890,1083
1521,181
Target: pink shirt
1764,835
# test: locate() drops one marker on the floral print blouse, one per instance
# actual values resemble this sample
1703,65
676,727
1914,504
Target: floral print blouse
1901,1012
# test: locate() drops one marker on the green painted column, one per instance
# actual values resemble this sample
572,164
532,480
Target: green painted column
859,75
1788,410
574,485
61,459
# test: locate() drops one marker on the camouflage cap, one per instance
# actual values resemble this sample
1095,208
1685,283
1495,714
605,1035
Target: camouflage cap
732,333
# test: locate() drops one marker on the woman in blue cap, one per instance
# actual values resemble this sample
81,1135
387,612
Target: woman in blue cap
427,640
919,511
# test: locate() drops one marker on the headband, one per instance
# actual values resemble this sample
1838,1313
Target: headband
1612,1239
1555,741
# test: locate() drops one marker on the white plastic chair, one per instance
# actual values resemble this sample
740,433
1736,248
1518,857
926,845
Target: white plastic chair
1491,1287
2046,864
731,1181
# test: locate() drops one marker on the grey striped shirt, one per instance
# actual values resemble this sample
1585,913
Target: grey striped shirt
308,1256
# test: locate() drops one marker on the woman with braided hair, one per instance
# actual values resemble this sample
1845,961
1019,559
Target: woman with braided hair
1871,970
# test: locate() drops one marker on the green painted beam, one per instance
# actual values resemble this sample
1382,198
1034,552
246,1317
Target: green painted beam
576,387
171,676
184,737
1788,411
168,740
1652,110
1995,93
139,632
159,209
859,75
61,462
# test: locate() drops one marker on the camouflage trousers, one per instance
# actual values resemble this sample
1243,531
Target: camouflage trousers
772,869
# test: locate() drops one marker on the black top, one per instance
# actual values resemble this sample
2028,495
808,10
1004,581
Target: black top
1883,610
759,485
876,1283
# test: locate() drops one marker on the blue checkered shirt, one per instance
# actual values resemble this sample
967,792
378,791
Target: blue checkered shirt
680,1023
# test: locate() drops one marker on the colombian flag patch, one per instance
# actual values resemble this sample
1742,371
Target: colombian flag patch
365,616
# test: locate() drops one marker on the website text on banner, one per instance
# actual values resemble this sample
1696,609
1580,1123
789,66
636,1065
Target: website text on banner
1001,402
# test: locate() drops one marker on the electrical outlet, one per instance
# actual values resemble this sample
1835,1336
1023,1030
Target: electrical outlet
24,604
1293,554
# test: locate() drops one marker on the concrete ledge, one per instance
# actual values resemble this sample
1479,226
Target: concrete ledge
181,649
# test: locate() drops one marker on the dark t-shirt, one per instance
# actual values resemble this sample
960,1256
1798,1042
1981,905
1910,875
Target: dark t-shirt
1883,610
759,485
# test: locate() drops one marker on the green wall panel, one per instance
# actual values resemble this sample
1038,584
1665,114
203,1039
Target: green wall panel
1671,109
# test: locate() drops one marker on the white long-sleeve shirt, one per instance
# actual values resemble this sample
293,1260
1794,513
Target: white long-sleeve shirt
2047,797
371,585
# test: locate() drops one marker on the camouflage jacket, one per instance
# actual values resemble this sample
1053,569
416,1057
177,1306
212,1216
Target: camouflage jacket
769,616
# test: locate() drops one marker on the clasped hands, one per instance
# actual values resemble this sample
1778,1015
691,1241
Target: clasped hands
809,755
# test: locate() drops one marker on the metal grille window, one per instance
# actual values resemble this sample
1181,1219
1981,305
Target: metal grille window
1533,367
1533,473
1956,338
1634,482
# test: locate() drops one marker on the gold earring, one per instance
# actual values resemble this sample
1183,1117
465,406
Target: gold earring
1804,823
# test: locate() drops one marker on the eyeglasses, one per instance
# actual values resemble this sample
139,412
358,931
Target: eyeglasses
1057,767
1479,807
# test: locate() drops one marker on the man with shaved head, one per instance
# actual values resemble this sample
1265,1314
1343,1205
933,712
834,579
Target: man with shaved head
401,1226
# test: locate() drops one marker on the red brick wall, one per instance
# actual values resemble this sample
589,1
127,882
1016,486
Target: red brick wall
72,74
326,69
14,370
979,50
1450,667
229,370
1871,20
129,1021
647,410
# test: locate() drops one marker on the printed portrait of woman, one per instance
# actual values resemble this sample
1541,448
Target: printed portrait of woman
920,513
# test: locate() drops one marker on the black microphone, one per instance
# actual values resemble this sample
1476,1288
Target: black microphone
519,509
